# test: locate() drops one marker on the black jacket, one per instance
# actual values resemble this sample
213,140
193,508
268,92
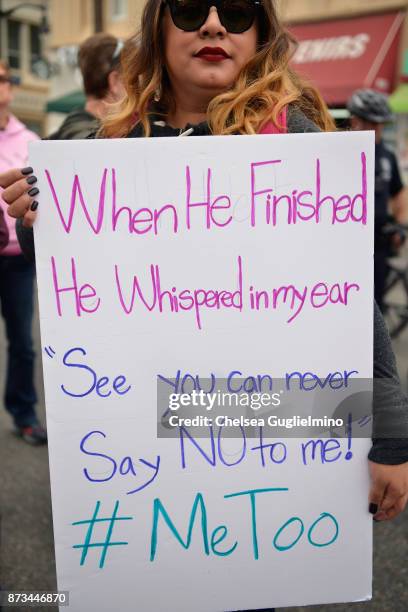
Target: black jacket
78,124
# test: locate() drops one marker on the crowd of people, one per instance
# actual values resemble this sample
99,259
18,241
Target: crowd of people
17,281
205,69
98,60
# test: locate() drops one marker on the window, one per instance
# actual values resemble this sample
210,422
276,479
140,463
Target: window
35,45
14,43
118,9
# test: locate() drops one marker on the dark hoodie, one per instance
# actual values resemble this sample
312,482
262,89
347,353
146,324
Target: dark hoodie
77,125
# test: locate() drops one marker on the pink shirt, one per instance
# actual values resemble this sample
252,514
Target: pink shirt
14,141
270,128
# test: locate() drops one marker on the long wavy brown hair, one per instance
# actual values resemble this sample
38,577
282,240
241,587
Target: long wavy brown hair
264,87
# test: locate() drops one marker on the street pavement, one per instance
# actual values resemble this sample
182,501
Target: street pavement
26,539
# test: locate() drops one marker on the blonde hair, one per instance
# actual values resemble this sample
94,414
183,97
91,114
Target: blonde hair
264,87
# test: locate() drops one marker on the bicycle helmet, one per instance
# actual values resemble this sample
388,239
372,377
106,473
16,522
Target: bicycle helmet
370,105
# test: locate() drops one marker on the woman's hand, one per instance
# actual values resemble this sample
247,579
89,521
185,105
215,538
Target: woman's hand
20,193
389,490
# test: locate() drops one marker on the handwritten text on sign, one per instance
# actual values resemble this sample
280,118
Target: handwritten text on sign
176,258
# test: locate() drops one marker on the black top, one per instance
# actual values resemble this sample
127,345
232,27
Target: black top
297,124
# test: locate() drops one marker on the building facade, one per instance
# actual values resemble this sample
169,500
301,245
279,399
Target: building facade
353,42
22,43
346,44
339,40
72,22
349,44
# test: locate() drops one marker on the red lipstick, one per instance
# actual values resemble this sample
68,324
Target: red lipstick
212,54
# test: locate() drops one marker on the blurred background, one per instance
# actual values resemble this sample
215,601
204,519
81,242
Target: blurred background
344,45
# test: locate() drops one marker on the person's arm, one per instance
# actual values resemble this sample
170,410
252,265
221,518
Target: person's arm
389,453
4,234
388,457
390,410
399,206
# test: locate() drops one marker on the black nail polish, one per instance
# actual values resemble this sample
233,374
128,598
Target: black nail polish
27,170
33,192
31,180
34,206
373,508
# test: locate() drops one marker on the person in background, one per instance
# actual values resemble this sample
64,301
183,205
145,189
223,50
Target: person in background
370,111
17,281
99,63
4,239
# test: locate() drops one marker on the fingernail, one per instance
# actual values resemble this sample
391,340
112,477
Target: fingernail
33,192
34,206
27,170
31,180
373,508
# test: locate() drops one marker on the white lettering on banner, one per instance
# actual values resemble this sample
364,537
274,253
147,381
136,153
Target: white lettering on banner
326,49
176,259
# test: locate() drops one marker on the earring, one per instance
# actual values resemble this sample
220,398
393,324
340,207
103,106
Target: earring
157,94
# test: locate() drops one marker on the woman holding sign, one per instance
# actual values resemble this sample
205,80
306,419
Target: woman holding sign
222,67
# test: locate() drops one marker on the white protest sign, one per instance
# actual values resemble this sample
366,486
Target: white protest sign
185,258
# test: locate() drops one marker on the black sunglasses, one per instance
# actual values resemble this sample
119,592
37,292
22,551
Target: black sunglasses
236,16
